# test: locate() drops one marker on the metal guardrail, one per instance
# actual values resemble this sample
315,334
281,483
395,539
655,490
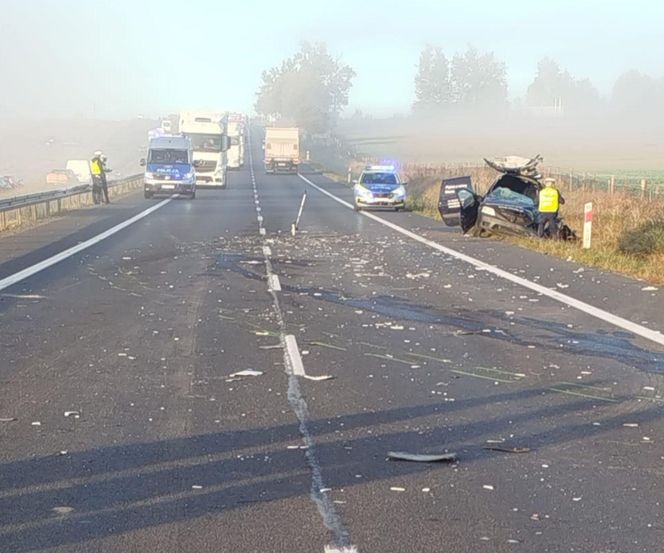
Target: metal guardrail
25,200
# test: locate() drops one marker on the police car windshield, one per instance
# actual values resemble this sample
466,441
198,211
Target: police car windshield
168,156
378,178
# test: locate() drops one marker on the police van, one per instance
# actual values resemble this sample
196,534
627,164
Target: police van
169,167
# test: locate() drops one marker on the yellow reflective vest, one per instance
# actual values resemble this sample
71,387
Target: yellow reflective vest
95,167
549,200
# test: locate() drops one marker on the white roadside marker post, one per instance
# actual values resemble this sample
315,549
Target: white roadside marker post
587,225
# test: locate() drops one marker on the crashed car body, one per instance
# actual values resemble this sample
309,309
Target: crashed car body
508,207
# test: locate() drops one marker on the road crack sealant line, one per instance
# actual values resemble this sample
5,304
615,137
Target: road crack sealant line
652,335
295,370
65,254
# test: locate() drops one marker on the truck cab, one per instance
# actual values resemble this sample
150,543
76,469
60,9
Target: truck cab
208,134
169,167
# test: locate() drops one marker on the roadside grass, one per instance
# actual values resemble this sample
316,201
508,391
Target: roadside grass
627,237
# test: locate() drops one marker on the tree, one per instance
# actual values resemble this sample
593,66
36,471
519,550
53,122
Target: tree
635,93
553,86
309,89
432,83
478,80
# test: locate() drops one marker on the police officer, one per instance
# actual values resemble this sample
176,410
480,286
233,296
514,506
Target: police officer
550,200
99,170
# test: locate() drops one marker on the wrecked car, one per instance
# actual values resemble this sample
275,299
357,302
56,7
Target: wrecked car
509,206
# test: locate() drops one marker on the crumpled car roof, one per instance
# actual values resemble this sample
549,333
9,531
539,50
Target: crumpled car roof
516,165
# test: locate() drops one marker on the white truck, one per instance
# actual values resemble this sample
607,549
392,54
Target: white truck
282,149
236,137
209,138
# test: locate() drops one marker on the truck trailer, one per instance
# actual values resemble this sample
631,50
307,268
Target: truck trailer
282,149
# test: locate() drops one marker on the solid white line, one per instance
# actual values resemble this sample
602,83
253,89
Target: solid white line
273,283
639,330
267,252
46,263
296,366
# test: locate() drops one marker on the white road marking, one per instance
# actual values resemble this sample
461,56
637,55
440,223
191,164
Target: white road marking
296,366
261,231
615,320
295,370
260,218
273,283
46,263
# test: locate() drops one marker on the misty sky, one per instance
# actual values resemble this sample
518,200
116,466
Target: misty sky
154,57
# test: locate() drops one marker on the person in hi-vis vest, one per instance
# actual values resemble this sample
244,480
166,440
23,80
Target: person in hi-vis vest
98,169
550,200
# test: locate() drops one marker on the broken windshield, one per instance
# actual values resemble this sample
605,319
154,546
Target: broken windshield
503,194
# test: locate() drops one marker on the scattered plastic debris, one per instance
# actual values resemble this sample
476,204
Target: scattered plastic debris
631,425
75,414
649,289
319,378
422,458
506,449
197,487
397,489
246,372
36,423
8,419
488,487
63,510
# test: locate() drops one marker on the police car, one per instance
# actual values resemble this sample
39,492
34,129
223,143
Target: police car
379,186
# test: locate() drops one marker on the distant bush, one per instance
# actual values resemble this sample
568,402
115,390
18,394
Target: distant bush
643,240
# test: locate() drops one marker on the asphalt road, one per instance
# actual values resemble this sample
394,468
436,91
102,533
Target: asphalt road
123,431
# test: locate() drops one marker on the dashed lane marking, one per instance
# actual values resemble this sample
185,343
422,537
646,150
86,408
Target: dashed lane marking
273,283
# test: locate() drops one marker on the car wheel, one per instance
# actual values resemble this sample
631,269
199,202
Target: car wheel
192,196
357,207
147,195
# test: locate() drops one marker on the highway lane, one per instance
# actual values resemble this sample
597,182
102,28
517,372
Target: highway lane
140,332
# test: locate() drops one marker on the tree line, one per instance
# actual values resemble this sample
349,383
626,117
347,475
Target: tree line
311,88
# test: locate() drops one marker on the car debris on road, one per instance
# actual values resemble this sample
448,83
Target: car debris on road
422,458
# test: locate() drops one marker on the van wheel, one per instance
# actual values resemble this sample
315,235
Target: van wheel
147,195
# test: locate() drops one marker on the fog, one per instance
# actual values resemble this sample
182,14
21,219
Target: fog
76,74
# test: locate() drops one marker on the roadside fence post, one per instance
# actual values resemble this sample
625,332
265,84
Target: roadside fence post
587,225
